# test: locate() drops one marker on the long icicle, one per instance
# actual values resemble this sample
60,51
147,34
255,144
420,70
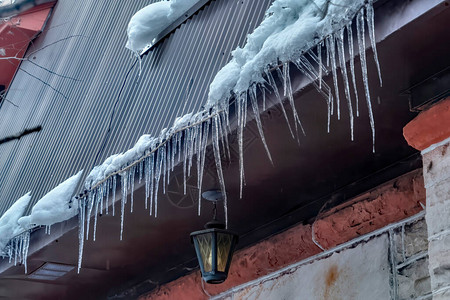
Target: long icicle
81,222
97,201
331,47
371,26
90,205
151,171
352,64
217,158
242,105
273,85
255,108
202,161
362,55
132,175
113,200
288,88
124,185
341,54
159,162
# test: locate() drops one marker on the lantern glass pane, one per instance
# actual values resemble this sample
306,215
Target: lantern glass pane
223,250
205,245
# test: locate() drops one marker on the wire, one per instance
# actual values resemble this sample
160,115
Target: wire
108,132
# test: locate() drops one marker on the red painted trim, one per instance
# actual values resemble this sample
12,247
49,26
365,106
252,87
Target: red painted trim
429,127
15,36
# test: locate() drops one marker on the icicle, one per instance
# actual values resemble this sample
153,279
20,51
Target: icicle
151,171
96,203
329,111
371,26
341,54
319,55
168,161
90,205
191,148
16,250
179,145
101,197
199,171
107,187
10,251
159,161
242,105
222,133
133,172
362,54
185,157
217,158
124,185
174,148
331,47
225,135
163,167
147,181
288,93
113,200
25,247
255,108
352,64
273,86
327,53
81,222
202,154
263,92
318,76
141,167
306,68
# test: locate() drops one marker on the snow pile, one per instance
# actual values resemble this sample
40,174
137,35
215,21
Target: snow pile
117,162
56,206
9,227
289,28
151,20
146,143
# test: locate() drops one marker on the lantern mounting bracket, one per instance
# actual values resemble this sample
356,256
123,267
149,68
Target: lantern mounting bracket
213,195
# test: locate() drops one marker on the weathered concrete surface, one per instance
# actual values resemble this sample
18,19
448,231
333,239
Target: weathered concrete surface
429,127
386,204
361,272
437,182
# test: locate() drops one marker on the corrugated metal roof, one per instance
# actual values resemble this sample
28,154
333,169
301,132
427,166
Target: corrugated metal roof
86,41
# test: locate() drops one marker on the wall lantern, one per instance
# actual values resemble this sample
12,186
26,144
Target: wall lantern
214,245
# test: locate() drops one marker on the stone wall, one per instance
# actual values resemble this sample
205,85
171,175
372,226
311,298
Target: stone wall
437,182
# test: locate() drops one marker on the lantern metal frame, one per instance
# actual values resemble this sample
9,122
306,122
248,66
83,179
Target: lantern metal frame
214,228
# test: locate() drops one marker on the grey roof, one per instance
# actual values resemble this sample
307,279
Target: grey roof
75,114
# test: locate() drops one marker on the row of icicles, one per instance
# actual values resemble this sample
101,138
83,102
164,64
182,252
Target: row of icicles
183,145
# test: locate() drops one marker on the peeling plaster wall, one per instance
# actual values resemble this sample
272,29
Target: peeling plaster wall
392,264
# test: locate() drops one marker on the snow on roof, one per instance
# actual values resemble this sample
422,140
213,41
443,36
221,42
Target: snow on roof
56,206
9,227
289,27
151,20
